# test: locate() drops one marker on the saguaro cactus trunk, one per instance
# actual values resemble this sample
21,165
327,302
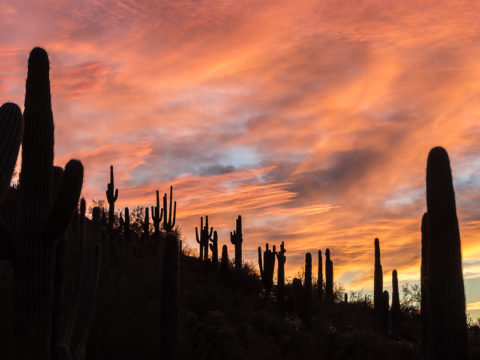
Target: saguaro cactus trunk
378,281
447,333
236,238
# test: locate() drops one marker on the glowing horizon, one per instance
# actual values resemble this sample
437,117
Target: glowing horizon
312,120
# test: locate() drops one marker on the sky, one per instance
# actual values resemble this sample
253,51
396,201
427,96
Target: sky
312,119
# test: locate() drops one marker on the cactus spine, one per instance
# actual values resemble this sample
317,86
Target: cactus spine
236,238
395,311
378,281
112,196
282,259
320,276
328,276
447,333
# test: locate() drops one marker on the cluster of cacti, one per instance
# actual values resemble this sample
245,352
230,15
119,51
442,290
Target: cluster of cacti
267,268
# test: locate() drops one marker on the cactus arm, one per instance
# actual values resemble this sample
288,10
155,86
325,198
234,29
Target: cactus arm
196,235
66,201
171,199
11,129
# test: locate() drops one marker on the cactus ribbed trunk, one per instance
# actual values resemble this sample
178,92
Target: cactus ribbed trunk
447,334
169,298
320,276
423,284
328,276
395,311
236,238
378,281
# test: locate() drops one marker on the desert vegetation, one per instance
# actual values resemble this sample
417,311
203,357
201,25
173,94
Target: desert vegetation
99,283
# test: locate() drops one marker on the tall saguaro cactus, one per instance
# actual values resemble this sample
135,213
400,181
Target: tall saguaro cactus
42,220
168,223
447,333
157,214
11,129
204,239
320,276
378,281
112,196
282,259
236,238
328,276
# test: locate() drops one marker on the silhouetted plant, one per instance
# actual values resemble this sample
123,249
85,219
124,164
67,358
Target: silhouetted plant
320,276
307,286
157,215
112,196
282,259
268,268
11,129
328,276
214,249
169,294
384,312
345,298
447,334
395,311
224,262
378,281
204,239
41,219
423,287
236,238
168,223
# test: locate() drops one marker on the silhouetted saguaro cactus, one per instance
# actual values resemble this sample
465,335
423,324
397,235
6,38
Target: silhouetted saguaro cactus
395,311
307,287
224,262
282,259
11,129
447,333
236,238
423,287
214,249
268,268
41,220
378,281
157,215
169,302
345,298
320,276
297,297
384,312
126,224
168,223
204,239
328,276
112,196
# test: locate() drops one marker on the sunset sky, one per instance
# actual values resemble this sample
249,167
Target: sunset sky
312,119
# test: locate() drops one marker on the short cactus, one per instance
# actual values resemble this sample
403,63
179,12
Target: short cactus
395,311
320,276
384,311
112,196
